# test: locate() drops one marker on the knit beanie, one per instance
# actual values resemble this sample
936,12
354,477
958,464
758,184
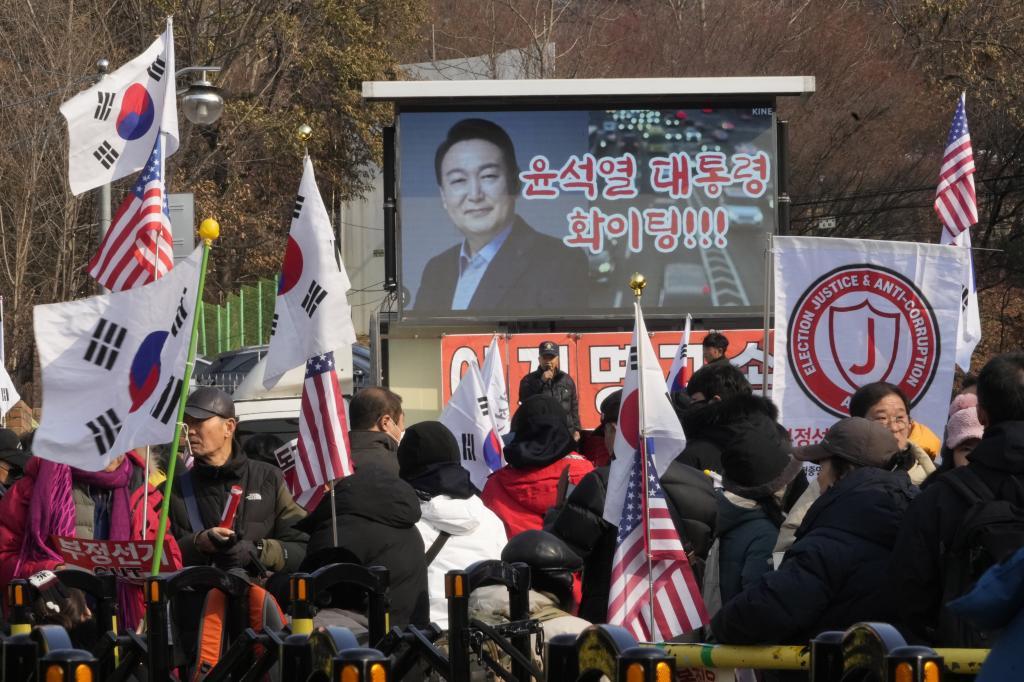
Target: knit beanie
755,466
962,402
963,425
424,444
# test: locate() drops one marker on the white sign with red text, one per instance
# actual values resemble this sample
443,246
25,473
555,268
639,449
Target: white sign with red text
849,312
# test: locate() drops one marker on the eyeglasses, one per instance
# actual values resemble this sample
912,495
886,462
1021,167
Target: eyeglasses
900,420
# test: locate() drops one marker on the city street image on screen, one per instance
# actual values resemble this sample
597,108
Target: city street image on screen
698,278
545,214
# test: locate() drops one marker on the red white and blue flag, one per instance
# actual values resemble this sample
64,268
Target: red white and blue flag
138,248
113,125
469,417
312,316
956,203
113,368
679,373
650,559
323,449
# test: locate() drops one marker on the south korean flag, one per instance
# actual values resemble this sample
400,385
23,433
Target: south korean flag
8,395
113,368
113,125
311,314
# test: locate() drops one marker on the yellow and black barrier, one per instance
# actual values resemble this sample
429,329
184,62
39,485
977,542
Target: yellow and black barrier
957,661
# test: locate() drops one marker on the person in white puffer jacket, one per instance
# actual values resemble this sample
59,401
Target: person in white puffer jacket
457,529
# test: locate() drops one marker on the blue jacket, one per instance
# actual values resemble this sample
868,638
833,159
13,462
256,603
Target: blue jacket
746,538
997,603
833,574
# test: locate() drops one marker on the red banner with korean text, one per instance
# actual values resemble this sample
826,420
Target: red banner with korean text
596,361
123,558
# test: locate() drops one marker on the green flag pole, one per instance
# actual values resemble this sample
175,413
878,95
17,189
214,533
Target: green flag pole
208,231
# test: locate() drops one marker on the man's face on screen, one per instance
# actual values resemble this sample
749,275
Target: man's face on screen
475,190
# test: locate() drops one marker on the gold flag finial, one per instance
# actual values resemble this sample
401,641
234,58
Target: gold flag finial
637,283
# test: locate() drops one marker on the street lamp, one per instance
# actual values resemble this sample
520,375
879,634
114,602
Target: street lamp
201,100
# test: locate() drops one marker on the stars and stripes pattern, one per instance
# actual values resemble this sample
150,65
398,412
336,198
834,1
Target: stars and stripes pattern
323,450
955,199
138,248
678,606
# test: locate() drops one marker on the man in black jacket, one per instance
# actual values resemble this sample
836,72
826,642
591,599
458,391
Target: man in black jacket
502,263
549,379
376,423
922,560
376,518
264,525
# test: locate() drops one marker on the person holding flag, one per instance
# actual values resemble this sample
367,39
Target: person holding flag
654,592
262,534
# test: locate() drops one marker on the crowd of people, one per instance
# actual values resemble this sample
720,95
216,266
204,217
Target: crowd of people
896,523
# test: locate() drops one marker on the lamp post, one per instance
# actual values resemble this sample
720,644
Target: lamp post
201,100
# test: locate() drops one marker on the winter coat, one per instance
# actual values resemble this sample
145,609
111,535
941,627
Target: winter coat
374,448
996,603
835,572
475,534
561,387
931,522
377,514
490,605
746,537
521,497
690,494
581,524
709,426
266,512
14,510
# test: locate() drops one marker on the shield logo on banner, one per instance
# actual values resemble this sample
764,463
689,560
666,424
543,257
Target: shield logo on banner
864,342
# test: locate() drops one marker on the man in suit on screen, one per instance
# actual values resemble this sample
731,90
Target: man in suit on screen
502,264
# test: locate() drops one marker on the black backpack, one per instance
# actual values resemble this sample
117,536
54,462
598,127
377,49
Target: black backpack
990,531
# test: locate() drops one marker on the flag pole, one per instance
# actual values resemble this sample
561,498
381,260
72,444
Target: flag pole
637,283
208,231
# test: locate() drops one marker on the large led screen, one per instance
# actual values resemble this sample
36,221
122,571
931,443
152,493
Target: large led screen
509,215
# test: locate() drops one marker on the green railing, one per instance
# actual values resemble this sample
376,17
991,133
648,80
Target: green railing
242,320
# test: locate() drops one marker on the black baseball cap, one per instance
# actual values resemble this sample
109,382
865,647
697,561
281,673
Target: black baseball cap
861,441
207,401
548,348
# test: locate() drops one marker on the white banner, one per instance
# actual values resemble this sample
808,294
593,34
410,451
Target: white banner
849,312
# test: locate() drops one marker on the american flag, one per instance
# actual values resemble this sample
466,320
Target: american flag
678,606
323,451
955,199
138,248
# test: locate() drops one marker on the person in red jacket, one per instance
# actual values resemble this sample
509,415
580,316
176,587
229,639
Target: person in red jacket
55,499
541,452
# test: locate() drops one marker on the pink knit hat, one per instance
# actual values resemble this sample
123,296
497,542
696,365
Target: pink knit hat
962,402
963,425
